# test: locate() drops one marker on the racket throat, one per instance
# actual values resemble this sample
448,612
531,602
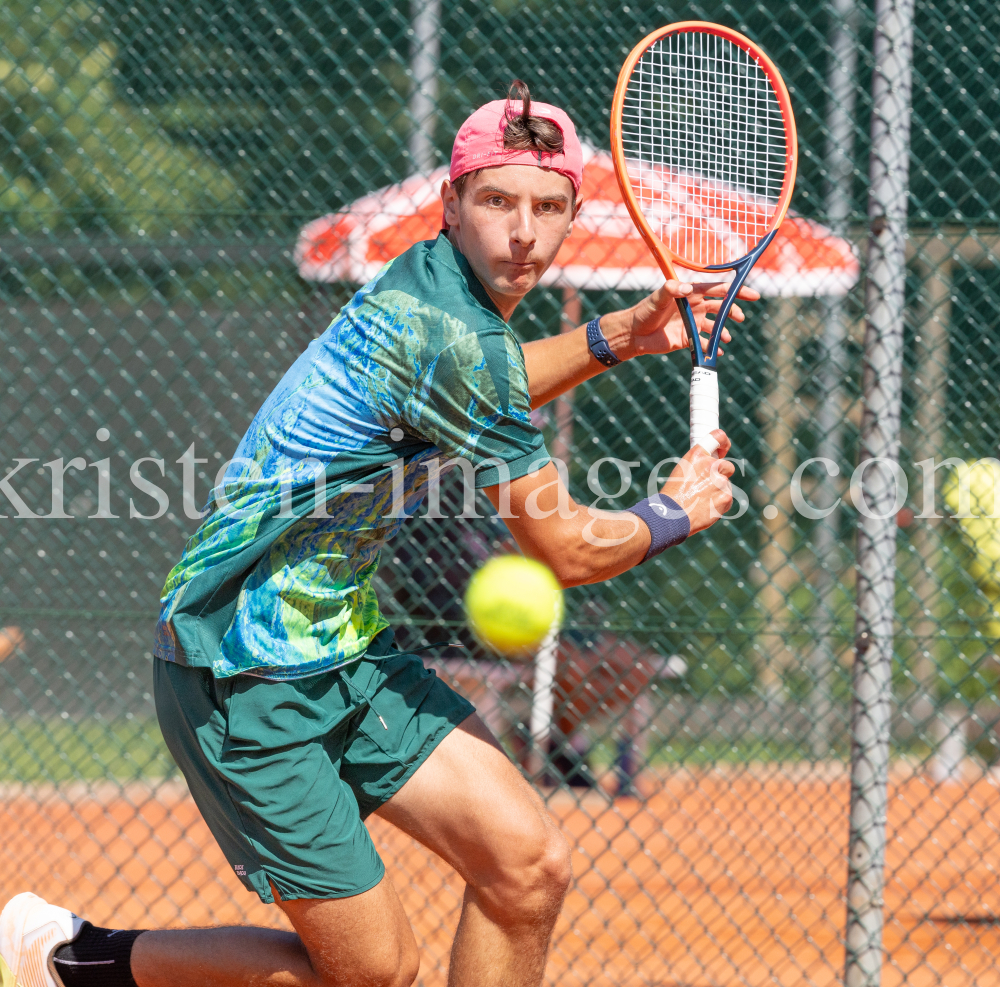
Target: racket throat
691,327
740,272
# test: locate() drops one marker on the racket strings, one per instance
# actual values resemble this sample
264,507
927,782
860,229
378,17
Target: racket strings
705,142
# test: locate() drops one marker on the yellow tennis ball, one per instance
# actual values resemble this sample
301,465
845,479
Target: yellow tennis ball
512,603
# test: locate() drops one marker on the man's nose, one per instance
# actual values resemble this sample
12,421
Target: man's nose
524,230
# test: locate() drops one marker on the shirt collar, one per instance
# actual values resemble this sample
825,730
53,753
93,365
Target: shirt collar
447,249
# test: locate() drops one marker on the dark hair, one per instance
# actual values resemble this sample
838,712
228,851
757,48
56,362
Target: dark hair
523,131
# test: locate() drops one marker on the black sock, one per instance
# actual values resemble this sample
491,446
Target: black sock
97,958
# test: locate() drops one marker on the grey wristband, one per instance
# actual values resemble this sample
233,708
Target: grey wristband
599,345
668,524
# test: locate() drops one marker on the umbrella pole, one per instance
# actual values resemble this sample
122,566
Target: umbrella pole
543,705
563,441
425,49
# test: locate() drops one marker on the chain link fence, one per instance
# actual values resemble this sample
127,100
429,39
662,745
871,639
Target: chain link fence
691,728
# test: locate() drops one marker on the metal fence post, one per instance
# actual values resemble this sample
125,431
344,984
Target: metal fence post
833,364
882,384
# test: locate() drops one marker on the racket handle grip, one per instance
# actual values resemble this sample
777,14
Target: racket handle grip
704,408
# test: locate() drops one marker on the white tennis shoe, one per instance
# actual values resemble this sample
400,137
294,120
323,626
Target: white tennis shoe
31,930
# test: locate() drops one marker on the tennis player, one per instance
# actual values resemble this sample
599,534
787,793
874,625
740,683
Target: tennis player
278,688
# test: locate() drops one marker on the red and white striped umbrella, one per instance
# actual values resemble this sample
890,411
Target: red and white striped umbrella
603,251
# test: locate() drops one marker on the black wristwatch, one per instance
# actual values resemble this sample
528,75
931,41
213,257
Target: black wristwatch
599,345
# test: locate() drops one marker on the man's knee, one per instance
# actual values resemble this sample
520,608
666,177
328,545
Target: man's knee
557,867
361,940
528,885
381,968
409,964
401,974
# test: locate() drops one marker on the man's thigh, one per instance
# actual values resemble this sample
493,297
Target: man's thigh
472,807
410,712
358,940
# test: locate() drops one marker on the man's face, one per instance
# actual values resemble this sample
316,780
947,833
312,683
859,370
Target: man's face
510,223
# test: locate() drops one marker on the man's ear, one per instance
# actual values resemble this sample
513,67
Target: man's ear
449,200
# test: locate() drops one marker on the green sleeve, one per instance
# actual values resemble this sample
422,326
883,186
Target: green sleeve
471,401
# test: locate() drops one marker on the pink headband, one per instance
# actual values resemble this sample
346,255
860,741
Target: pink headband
479,142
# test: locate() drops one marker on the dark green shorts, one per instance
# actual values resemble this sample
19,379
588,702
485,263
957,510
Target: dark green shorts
285,772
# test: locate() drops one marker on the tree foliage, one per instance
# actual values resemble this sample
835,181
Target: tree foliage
75,153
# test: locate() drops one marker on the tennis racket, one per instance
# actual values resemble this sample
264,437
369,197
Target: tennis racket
703,140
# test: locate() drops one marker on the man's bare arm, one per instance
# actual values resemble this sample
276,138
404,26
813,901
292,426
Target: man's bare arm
561,362
581,546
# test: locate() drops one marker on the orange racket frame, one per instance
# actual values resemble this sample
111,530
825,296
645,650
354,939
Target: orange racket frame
704,379
664,257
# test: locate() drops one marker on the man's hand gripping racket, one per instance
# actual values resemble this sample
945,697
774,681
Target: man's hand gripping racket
704,145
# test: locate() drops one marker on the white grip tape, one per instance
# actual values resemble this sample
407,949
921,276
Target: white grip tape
704,408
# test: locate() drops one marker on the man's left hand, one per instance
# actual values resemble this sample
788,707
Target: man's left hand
654,325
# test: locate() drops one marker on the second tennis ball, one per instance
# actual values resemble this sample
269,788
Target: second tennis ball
512,603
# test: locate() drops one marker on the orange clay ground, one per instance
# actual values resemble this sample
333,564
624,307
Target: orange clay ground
721,877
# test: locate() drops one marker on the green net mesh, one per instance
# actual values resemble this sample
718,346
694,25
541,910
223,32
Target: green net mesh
157,162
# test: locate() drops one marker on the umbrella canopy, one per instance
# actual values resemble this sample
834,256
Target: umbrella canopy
603,251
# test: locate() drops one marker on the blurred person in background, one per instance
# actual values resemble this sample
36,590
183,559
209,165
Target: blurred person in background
11,638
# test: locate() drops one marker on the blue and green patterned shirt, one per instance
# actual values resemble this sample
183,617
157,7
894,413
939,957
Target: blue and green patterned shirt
418,366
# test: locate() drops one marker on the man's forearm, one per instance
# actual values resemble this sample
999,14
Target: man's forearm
586,549
559,363
582,545
579,545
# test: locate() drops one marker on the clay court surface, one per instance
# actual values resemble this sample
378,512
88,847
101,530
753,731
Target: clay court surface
717,878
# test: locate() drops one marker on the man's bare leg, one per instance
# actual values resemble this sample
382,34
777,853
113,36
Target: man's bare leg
361,941
471,806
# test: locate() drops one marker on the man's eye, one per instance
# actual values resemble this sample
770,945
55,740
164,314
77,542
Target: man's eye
495,200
